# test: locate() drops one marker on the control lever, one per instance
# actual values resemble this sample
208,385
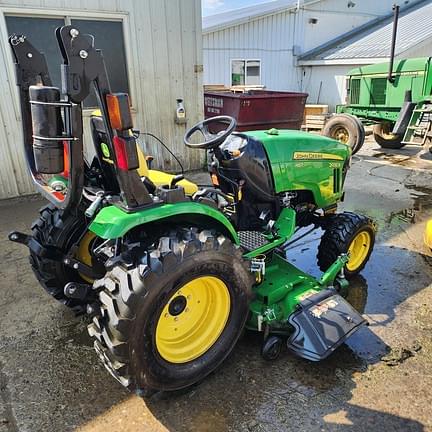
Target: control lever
175,180
91,210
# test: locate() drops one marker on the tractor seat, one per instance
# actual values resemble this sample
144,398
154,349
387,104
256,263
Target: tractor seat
159,178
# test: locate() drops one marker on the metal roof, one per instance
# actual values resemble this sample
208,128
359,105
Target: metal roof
238,16
373,40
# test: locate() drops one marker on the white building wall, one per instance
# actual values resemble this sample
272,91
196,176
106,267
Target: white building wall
277,39
164,54
336,17
325,84
269,39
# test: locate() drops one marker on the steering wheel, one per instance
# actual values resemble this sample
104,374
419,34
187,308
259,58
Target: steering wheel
211,141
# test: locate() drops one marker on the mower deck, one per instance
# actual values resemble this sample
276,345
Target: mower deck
282,288
291,302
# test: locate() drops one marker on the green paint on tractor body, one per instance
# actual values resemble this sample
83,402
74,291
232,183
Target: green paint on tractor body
283,288
113,222
302,161
373,97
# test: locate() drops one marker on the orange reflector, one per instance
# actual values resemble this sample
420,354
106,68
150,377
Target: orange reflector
65,172
214,180
119,111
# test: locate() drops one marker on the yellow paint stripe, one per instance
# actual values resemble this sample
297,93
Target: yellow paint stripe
316,156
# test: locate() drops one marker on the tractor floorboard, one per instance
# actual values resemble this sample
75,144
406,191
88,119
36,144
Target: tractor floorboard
251,240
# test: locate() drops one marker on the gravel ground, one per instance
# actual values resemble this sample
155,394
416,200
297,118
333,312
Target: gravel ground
51,379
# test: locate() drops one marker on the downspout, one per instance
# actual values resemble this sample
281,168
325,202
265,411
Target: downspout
393,42
295,50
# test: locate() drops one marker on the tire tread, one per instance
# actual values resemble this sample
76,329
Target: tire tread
340,229
112,328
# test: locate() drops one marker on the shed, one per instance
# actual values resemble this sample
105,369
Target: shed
153,50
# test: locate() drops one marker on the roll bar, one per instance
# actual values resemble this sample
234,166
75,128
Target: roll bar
83,68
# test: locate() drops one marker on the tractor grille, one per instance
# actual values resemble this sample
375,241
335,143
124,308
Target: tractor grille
355,91
336,180
251,240
378,91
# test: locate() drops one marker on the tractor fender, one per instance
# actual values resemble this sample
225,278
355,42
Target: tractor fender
113,222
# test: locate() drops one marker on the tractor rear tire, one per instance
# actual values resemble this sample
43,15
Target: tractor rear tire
55,229
383,136
346,129
170,314
347,232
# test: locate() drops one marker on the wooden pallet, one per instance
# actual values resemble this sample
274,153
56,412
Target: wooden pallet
235,89
314,122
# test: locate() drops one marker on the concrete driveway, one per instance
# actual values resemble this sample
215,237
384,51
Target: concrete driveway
381,380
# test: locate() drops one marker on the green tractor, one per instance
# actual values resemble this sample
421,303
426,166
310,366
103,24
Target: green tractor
395,97
170,279
398,104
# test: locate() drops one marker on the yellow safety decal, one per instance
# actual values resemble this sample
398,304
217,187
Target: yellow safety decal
316,156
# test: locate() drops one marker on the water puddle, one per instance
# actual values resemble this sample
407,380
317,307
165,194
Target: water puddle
420,210
374,293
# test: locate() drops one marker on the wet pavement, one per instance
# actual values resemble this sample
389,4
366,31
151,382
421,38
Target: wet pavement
51,379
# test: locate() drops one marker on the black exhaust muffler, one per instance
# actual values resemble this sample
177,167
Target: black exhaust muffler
47,129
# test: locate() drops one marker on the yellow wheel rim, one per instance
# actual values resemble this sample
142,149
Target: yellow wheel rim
193,319
358,250
83,253
341,134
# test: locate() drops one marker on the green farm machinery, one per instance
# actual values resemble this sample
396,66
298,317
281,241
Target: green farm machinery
400,108
395,97
169,278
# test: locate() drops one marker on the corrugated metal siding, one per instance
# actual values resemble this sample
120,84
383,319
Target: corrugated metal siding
414,27
164,45
269,39
236,16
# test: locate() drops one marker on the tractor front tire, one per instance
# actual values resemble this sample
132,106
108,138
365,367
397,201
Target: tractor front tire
347,233
55,229
171,314
346,129
383,136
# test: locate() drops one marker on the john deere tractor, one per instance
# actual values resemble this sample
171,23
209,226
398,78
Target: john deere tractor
398,104
395,97
170,273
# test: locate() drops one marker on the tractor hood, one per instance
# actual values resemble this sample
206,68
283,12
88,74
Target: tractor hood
283,145
304,161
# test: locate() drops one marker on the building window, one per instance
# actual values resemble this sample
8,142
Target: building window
245,72
108,37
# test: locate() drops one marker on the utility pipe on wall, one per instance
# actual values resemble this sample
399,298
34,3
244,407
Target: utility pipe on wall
393,42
